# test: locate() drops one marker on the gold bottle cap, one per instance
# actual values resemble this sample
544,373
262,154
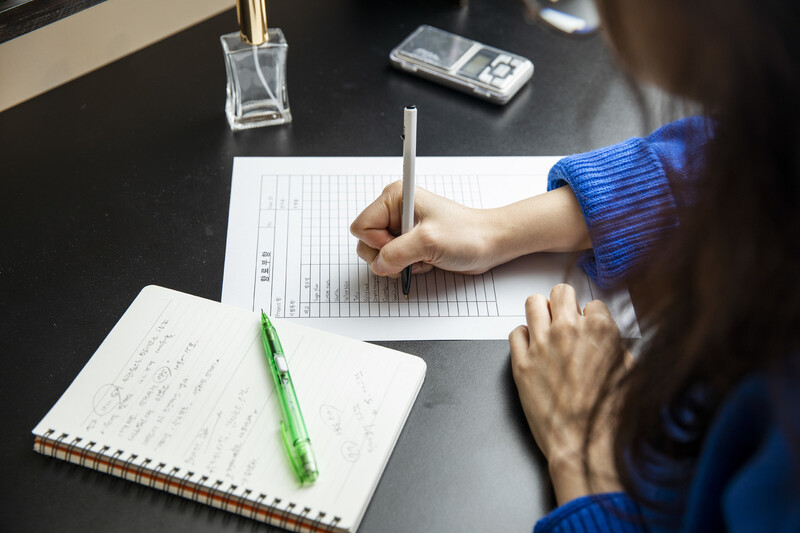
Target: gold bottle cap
252,21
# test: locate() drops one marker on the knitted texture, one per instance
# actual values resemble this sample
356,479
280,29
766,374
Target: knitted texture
626,196
602,512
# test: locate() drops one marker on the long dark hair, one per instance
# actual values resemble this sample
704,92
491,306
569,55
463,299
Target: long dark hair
721,298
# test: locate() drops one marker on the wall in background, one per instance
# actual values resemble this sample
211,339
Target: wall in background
45,58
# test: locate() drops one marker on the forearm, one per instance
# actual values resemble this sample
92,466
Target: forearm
549,222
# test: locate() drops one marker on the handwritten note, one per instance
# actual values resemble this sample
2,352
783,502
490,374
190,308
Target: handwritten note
185,382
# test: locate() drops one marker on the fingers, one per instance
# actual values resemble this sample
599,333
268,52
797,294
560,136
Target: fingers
377,229
598,317
369,254
365,252
628,359
537,313
596,308
564,303
518,340
400,252
380,221
421,268
563,306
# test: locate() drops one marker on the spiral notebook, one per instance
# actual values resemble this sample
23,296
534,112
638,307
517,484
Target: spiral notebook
179,397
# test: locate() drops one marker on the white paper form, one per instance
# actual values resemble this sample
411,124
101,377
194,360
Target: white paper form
290,252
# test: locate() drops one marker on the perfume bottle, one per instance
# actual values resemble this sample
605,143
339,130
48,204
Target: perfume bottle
255,62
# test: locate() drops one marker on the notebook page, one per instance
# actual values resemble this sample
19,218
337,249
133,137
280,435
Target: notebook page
184,381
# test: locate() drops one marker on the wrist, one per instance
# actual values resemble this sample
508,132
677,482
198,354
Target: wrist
568,478
507,236
549,222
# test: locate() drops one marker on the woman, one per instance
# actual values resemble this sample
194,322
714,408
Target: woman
702,221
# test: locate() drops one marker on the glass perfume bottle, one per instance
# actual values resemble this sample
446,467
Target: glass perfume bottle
255,63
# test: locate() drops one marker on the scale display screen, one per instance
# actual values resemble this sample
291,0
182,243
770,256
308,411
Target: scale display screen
436,47
475,65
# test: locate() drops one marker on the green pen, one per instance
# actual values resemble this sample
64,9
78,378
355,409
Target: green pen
293,428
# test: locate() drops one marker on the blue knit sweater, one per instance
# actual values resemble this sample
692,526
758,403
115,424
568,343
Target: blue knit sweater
747,474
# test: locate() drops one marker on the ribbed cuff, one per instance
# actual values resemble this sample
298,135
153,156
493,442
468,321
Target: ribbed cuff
612,512
626,201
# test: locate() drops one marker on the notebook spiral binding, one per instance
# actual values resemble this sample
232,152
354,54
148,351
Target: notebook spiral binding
172,480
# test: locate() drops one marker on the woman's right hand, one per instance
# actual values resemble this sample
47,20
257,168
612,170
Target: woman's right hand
446,234
457,238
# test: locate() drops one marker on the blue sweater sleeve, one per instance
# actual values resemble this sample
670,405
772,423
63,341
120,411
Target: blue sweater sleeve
629,194
613,513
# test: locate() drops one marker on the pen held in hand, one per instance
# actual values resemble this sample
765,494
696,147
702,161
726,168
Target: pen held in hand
409,179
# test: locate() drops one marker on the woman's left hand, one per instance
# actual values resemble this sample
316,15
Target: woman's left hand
559,361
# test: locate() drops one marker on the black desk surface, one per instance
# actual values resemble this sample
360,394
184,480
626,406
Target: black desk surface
122,178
